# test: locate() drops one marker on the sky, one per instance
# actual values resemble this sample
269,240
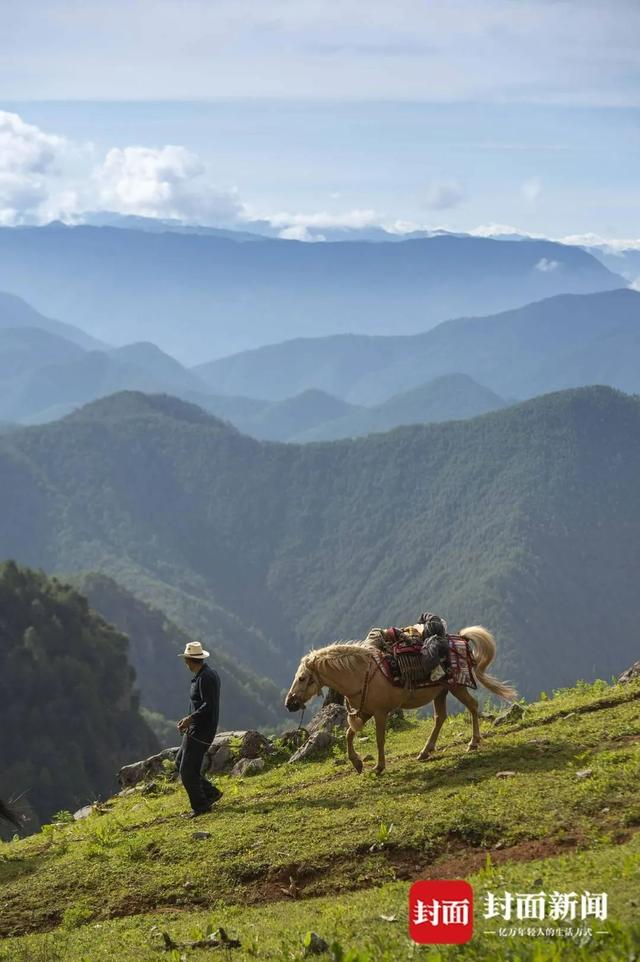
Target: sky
479,115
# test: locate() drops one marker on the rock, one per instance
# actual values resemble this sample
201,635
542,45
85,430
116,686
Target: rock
147,768
248,766
200,836
316,746
505,774
339,761
585,773
217,758
294,737
630,673
368,758
329,717
314,945
254,745
333,697
82,813
513,713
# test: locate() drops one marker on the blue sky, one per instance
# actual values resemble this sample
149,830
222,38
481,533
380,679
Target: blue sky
461,114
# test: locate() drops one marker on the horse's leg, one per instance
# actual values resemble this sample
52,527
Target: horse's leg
471,702
355,723
381,730
439,716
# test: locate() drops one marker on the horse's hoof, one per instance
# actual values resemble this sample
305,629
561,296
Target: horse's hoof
357,764
472,748
425,756
378,771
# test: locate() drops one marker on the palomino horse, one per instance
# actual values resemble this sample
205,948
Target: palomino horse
352,670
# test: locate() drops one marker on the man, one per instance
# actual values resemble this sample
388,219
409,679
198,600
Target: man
198,730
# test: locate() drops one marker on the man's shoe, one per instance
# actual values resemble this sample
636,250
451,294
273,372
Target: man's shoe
194,814
214,795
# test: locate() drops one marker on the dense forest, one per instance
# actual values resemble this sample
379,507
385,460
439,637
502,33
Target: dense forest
69,711
525,520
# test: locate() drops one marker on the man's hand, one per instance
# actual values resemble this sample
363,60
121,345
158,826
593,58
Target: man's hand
183,724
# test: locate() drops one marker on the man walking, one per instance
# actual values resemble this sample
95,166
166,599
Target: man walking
198,730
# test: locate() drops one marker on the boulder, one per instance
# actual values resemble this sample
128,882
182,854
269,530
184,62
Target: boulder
314,747
248,766
146,769
630,673
254,745
513,713
83,813
329,717
217,758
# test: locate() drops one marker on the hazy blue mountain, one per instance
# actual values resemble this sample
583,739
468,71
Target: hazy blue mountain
563,341
445,398
44,376
198,295
623,262
14,312
525,519
24,349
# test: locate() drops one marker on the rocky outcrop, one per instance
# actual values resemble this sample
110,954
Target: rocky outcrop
329,717
316,746
130,775
513,714
630,673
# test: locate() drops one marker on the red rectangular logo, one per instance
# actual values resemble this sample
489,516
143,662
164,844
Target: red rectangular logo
441,912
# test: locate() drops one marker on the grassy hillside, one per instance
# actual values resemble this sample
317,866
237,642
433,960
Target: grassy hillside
526,520
68,709
559,342
317,847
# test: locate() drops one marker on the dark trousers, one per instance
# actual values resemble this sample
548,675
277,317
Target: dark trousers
189,762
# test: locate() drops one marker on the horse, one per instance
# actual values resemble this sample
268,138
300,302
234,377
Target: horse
351,669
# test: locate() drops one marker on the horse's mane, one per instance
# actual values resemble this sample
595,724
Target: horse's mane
345,655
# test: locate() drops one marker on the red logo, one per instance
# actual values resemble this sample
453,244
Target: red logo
441,912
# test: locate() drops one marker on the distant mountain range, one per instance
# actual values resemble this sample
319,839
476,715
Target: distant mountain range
198,294
563,341
526,519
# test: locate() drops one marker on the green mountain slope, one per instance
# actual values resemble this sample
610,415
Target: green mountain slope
317,847
68,710
561,342
154,642
447,398
526,520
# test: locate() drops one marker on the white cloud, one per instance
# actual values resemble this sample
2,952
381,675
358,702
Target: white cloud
635,285
31,163
351,218
300,233
531,190
169,182
609,244
443,194
546,265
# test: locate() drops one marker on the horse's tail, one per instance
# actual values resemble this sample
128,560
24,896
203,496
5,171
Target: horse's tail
484,646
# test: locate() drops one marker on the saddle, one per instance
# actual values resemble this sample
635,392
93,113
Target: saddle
398,654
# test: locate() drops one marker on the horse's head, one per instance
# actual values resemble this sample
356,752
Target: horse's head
305,685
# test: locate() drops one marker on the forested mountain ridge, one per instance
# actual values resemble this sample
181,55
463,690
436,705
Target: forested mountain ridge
569,340
154,643
69,712
518,519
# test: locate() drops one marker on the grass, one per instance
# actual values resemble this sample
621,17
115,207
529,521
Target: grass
318,847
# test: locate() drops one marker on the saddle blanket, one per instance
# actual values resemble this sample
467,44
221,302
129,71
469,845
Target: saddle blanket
397,655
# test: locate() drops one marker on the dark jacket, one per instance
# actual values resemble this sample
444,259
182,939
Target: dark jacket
205,703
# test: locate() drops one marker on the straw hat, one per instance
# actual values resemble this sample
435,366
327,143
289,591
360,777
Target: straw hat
193,649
